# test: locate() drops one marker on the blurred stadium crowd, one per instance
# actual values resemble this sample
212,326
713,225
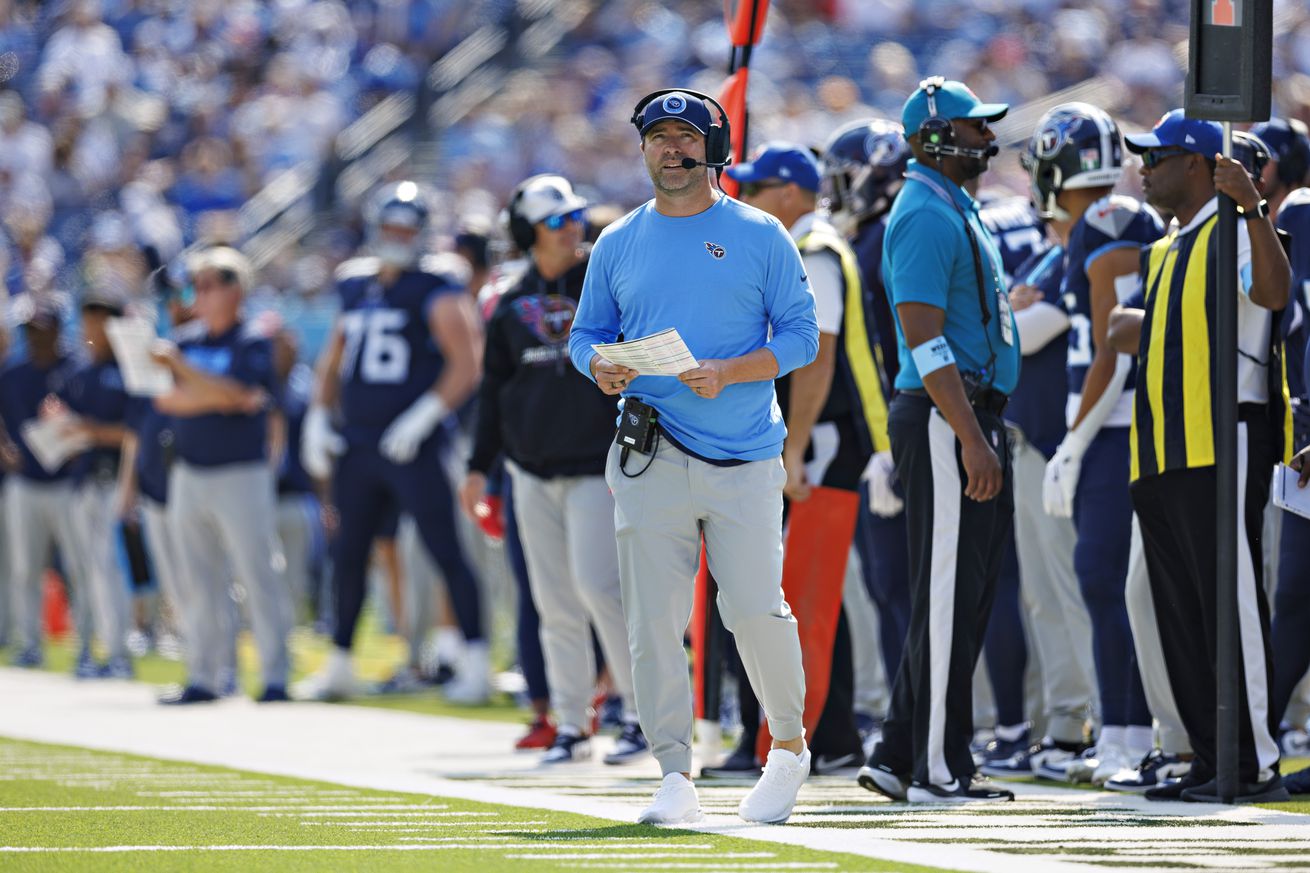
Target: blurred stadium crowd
130,129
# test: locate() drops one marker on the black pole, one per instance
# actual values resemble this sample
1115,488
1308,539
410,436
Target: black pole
1225,444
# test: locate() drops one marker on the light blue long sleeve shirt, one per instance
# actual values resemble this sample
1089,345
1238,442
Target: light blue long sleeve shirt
730,279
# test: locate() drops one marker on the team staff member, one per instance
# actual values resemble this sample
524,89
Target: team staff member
555,431
220,488
836,414
958,362
725,275
1173,469
39,502
97,395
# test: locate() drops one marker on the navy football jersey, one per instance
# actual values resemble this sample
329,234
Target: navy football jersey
245,355
1294,220
389,358
1017,229
867,245
1037,404
1110,223
96,392
154,447
23,388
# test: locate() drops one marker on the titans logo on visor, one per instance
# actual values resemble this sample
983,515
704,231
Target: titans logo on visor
674,104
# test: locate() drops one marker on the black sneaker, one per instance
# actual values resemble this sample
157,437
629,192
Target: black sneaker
184,696
1007,758
1174,790
975,791
630,746
1298,782
740,763
273,694
821,765
1156,768
1269,791
883,780
567,747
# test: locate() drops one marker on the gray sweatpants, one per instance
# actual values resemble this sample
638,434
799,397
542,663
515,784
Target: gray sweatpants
297,518
95,526
659,519
1056,616
224,516
39,516
567,529
1150,653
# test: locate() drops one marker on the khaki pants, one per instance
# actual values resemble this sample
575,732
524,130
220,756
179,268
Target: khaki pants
659,519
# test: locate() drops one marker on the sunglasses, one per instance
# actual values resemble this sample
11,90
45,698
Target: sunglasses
1154,157
750,189
555,222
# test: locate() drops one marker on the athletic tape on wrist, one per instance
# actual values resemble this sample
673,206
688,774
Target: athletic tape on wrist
932,355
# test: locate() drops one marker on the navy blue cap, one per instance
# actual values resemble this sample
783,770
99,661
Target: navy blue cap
1285,138
1176,130
780,160
678,107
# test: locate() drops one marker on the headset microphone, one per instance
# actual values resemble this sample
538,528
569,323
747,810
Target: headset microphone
691,163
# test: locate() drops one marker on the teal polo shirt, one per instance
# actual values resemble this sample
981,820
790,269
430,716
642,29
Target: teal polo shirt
926,258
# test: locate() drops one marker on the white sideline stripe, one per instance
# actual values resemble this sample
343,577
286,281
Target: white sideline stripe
666,865
262,810
622,856
401,848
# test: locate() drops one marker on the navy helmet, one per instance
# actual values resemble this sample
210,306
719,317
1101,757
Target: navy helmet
1252,153
1289,142
1076,145
400,205
863,166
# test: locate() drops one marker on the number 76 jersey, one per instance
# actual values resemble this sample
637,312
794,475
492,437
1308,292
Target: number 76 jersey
389,357
1110,223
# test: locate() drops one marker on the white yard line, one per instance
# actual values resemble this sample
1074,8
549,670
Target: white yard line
370,748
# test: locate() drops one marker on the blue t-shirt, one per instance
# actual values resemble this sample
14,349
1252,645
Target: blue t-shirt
23,388
390,357
723,278
216,439
154,447
1037,404
1113,222
927,259
96,392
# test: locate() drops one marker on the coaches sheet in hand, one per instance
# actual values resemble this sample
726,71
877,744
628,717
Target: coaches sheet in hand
660,354
132,340
1286,493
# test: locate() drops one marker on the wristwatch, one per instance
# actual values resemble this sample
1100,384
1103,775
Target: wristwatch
1260,210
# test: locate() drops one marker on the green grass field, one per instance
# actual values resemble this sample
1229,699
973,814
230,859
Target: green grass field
96,811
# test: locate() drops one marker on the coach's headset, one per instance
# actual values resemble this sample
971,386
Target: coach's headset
937,134
718,140
520,229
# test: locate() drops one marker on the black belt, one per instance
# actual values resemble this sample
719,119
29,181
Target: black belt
984,399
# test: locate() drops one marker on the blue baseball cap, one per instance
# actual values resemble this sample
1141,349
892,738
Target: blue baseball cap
951,99
780,160
677,106
1176,130
1286,138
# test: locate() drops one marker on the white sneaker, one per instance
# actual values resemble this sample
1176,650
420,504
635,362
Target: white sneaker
336,681
1082,768
675,803
472,683
1111,762
772,798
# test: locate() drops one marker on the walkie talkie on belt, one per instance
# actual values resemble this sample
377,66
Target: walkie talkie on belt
637,431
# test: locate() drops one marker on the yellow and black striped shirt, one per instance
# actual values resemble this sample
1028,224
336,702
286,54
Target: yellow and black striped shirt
1173,425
